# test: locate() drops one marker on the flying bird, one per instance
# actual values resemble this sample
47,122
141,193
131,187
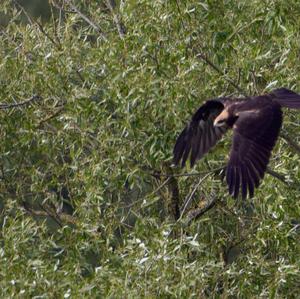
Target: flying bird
256,122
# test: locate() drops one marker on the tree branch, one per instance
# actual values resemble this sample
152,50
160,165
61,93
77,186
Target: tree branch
49,117
88,20
189,198
186,174
24,103
290,142
69,219
276,175
218,70
197,213
111,4
31,21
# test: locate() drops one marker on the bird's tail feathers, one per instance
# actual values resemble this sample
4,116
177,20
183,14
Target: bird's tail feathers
287,98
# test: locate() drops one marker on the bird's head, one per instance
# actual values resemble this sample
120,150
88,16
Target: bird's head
221,119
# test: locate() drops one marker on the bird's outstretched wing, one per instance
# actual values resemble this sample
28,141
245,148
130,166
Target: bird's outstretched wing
255,134
200,134
286,98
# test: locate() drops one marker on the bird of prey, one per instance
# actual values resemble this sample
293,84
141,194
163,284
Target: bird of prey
256,122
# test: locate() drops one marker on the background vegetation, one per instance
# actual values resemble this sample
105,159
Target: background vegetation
92,101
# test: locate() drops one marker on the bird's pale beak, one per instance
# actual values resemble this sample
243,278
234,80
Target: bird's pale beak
219,123
220,120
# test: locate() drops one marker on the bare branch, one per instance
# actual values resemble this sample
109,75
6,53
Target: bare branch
56,42
188,200
197,213
180,13
173,189
31,21
51,214
111,4
24,103
49,117
43,213
88,20
186,174
218,70
60,7
276,175
291,142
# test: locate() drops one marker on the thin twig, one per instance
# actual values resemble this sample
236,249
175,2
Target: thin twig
51,215
160,186
188,200
244,238
24,11
88,20
180,13
23,103
197,213
186,174
276,175
31,21
57,43
111,4
61,8
49,117
218,70
291,142
148,195
42,213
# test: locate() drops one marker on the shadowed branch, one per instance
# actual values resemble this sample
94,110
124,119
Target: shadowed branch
47,211
277,176
87,19
197,213
189,198
23,103
55,42
290,142
186,174
111,4
218,70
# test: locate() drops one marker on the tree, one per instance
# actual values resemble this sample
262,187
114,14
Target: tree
91,103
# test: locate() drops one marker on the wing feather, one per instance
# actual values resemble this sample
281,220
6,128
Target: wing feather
250,182
237,184
195,147
254,137
253,173
200,134
286,98
230,177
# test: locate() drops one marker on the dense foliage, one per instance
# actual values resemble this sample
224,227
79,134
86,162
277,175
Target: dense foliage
92,101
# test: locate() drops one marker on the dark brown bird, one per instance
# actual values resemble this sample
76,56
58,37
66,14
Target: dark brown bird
256,122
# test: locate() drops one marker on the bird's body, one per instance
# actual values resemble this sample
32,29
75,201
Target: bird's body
256,122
